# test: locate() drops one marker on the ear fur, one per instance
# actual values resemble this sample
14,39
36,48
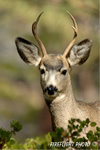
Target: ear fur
79,52
28,52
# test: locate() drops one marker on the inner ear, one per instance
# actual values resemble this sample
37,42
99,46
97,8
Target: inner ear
28,51
79,52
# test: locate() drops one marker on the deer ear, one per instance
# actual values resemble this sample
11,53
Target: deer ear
28,51
79,52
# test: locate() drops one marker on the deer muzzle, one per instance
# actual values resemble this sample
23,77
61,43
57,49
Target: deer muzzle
51,90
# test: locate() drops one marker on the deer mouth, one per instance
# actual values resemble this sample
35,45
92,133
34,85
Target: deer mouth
51,91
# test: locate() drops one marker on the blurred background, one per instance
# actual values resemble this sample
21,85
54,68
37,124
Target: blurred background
20,92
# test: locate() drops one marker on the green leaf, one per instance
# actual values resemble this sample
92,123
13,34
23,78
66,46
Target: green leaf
16,125
98,129
73,120
78,120
90,133
80,130
93,124
52,134
12,141
59,130
83,123
69,128
4,135
74,133
95,138
87,120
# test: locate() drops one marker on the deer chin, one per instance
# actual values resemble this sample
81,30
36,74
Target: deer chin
50,97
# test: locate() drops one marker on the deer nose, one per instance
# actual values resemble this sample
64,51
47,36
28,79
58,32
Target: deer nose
51,90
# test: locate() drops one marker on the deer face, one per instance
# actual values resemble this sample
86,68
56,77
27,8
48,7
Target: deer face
53,75
54,69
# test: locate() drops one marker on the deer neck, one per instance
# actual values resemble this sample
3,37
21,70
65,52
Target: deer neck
61,107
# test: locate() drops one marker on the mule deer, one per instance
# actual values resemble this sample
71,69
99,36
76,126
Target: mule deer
55,77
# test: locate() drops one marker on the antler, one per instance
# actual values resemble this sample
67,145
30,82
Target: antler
75,28
34,30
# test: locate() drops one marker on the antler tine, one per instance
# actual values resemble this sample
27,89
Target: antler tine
34,30
75,28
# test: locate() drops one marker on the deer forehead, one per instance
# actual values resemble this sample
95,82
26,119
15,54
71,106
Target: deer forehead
54,62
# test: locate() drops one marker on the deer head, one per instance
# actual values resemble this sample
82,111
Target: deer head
54,68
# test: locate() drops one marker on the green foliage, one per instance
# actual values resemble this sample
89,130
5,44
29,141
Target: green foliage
75,136
5,136
16,126
93,124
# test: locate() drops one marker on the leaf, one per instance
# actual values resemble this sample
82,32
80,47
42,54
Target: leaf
74,133
98,129
59,130
87,120
52,134
95,138
73,120
12,141
16,125
83,123
90,133
4,135
78,120
69,128
80,130
93,124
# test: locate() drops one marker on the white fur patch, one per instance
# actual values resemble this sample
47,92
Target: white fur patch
52,79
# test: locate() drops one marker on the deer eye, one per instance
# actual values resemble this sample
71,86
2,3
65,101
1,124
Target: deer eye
64,72
42,71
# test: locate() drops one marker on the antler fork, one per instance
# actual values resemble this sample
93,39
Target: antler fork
75,28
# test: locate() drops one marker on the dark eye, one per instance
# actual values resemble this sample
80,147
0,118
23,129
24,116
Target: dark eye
42,71
64,72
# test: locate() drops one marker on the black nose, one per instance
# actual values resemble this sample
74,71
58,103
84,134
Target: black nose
51,90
